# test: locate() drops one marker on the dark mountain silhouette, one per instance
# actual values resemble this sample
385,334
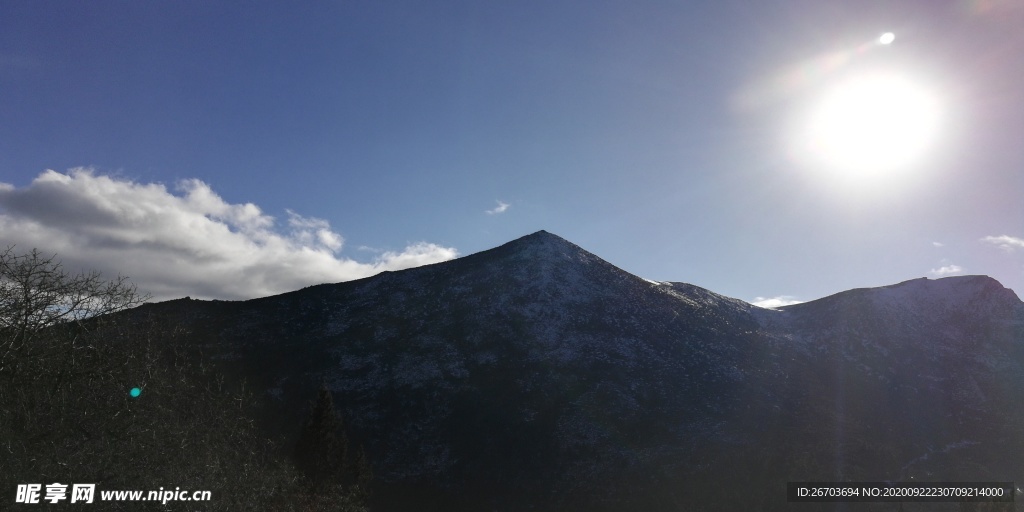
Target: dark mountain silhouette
536,376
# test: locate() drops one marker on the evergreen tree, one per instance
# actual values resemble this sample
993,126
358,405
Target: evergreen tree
321,453
334,479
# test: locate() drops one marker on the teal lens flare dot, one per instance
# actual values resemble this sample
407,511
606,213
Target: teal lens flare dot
135,392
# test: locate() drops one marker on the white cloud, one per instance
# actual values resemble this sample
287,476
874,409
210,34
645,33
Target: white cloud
1005,242
775,302
313,231
502,206
947,270
190,243
938,244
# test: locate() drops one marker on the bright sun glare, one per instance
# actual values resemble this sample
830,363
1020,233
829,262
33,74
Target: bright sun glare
871,124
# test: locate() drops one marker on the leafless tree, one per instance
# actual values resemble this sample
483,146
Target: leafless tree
37,294
69,353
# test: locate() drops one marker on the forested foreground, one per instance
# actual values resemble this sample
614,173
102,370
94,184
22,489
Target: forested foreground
67,414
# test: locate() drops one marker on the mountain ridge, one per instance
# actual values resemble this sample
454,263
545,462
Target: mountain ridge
971,284
537,376
544,243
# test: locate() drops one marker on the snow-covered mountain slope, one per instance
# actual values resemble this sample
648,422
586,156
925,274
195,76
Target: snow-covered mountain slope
537,376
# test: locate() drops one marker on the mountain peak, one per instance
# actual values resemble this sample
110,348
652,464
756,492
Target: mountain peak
543,244
541,236
979,294
955,289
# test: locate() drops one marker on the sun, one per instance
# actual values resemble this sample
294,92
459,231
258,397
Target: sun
870,124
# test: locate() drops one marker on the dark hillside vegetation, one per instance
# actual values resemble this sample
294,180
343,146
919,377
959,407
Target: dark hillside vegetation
531,377
66,415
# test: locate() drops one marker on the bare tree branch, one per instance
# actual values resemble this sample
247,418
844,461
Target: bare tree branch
37,293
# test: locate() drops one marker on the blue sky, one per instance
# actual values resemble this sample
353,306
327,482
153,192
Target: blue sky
236,149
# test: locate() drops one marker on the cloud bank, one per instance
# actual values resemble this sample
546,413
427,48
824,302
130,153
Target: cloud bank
947,270
192,243
775,302
1005,242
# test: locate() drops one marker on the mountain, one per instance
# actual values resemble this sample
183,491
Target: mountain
537,376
